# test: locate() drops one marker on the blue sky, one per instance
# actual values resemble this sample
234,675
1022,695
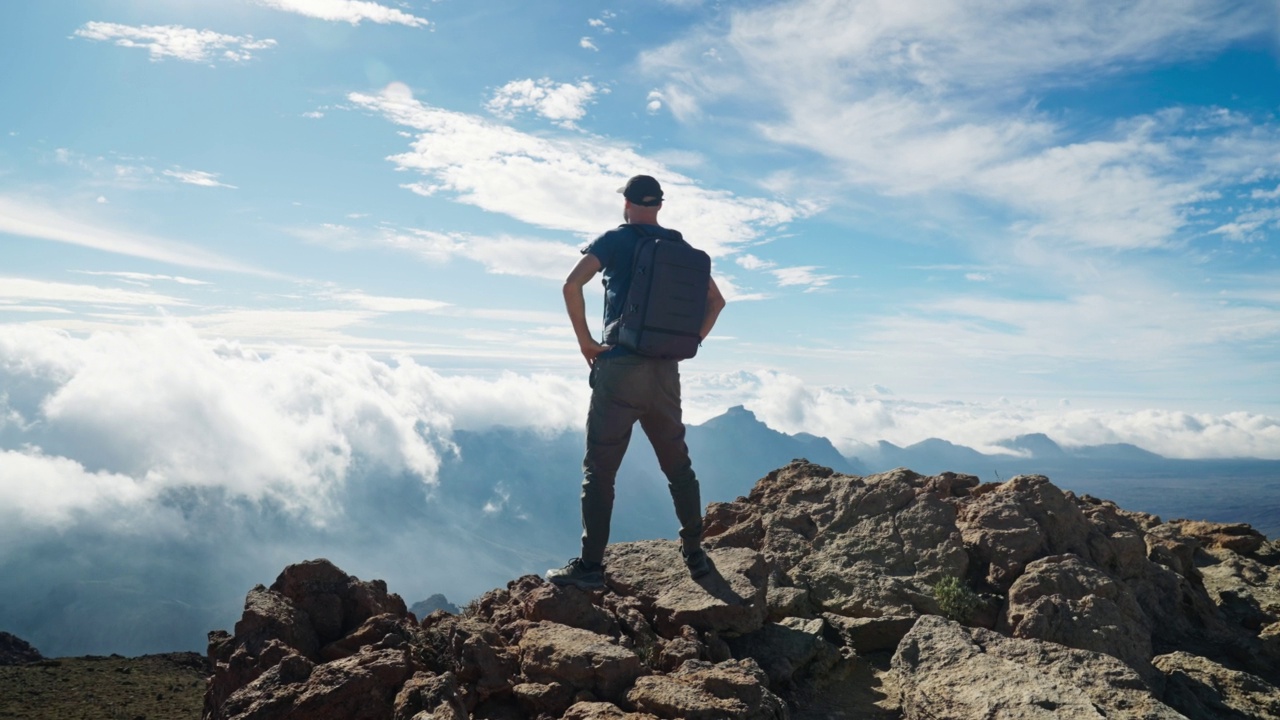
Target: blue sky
931,218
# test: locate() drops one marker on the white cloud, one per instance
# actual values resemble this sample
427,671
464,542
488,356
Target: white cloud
143,277
732,293
1259,194
348,11
174,41
853,419
26,217
586,44
563,103
383,304
559,183
14,288
923,96
805,275
751,262
500,255
198,177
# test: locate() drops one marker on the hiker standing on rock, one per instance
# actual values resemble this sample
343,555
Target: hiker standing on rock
659,303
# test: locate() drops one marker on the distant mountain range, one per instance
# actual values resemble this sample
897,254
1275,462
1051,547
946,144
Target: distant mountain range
534,479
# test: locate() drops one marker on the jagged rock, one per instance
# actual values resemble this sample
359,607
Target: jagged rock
731,599
789,651
1239,538
360,687
579,659
16,651
698,690
817,574
602,711
1247,590
949,671
427,696
1062,600
567,606
335,602
868,635
1204,690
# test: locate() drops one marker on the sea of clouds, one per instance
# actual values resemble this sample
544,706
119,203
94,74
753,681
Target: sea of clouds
150,477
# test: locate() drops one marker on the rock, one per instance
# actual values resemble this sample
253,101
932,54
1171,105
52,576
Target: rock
567,606
1062,600
1247,590
267,616
335,602
602,711
731,599
361,687
789,651
579,659
868,635
16,651
946,670
1239,538
426,695
730,690
1204,690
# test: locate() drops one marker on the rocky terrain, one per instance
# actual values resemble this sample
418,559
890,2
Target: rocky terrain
834,596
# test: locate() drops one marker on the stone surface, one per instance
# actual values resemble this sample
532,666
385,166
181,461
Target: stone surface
1204,690
731,599
1061,599
818,577
578,659
731,690
949,671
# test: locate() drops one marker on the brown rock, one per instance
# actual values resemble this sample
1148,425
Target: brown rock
602,711
580,659
567,606
868,635
946,670
731,690
267,616
1204,690
730,599
336,603
1062,600
1239,538
426,695
789,652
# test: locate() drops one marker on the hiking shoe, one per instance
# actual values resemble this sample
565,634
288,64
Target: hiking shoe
697,562
579,573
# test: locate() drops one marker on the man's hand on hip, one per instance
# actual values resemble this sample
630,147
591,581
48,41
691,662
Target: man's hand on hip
591,350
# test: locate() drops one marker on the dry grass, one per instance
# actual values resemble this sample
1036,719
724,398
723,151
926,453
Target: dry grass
152,687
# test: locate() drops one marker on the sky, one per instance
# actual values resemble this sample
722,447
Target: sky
262,251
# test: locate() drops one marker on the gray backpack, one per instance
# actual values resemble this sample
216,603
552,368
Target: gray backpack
663,313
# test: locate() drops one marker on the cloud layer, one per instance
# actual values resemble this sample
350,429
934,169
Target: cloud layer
177,42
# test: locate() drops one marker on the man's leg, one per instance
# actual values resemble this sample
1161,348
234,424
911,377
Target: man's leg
663,423
609,423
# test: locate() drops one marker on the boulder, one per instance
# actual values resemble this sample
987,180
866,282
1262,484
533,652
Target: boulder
1063,600
789,652
360,687
578,659
732,599
1204,690
946,670
698,690
868,635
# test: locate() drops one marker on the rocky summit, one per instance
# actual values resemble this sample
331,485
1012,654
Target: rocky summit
833,596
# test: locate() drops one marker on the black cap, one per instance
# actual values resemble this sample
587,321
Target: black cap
642,190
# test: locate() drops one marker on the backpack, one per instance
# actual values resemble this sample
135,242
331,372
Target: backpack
663,313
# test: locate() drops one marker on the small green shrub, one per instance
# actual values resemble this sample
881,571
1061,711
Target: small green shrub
955,599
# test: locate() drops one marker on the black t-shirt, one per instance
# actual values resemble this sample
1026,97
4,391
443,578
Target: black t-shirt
616,251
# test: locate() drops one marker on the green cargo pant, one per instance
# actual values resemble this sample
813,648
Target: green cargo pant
623,390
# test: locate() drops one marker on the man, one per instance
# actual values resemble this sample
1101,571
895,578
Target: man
626,387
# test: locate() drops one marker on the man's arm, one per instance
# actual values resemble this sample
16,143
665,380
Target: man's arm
715,303
576,305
